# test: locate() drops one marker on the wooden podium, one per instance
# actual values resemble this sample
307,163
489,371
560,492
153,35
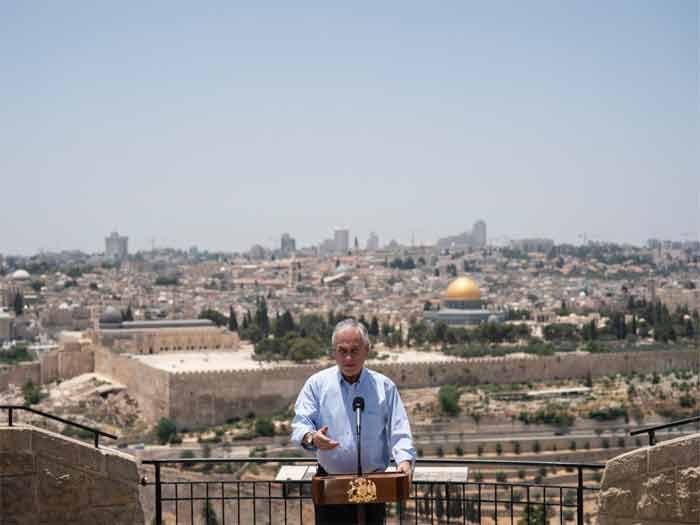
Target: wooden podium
344,489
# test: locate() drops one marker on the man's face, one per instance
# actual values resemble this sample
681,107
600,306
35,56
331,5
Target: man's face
350,351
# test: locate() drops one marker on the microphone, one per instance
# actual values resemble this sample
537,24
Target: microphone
358,402
358,405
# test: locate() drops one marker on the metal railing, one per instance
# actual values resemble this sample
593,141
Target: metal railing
651,431
228,500
95,432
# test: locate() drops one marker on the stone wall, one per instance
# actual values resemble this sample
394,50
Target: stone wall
46,478
66,363
18,375
147,385
198,399
657,485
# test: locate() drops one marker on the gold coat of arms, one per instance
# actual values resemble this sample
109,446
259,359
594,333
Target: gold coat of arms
362,490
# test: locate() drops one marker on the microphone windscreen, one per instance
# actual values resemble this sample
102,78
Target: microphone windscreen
358,402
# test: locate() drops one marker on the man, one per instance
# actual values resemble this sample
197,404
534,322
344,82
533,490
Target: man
324,421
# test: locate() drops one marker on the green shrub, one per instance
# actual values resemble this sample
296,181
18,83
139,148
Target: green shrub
264,427
32,393
165,430
449,399
687,401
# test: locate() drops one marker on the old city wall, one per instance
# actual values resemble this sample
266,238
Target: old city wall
66,363
58,364
206,398
18,375
502,370
198,399
148,386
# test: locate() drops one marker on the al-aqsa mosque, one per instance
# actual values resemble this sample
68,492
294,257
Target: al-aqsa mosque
462,305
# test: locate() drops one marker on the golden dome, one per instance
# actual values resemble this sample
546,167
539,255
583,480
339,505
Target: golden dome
463,289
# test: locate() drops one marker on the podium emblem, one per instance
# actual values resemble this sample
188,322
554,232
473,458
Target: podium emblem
362,490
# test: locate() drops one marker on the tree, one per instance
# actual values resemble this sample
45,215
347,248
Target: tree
287,322
689,329
209,515
214,316
264,427
374,327
128,314
590,331
278,326
32,393
19,304
261,317
165,430
363,322
449,399
304,349
535,514
232,321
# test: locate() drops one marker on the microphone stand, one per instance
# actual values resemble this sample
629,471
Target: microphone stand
358,406
358,427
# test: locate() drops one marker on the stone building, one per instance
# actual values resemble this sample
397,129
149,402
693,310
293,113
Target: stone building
116,247
152,337
674,298
6,327
462,305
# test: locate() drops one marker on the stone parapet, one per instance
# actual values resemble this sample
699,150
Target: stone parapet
46,478
657,485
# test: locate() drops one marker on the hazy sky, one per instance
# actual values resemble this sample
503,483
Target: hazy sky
225,125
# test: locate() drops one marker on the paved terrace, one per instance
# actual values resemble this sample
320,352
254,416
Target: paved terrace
243,360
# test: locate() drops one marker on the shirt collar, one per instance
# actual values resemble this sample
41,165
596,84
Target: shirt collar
360,381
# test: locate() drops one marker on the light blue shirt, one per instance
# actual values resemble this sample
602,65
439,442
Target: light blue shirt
326,399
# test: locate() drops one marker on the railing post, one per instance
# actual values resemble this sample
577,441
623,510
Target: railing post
579,498
652,438
159,510
97,440
9,415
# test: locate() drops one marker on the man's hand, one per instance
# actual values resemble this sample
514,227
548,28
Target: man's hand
405,467
322,441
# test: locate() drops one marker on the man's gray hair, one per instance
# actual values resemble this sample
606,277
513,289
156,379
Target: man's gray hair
350,323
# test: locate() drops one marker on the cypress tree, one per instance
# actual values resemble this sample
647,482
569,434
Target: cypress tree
287,322
232,321
374,327
261,317
19,304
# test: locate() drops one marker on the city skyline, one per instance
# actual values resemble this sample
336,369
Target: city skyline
223,126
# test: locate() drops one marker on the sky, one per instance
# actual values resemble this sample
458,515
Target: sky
221,125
